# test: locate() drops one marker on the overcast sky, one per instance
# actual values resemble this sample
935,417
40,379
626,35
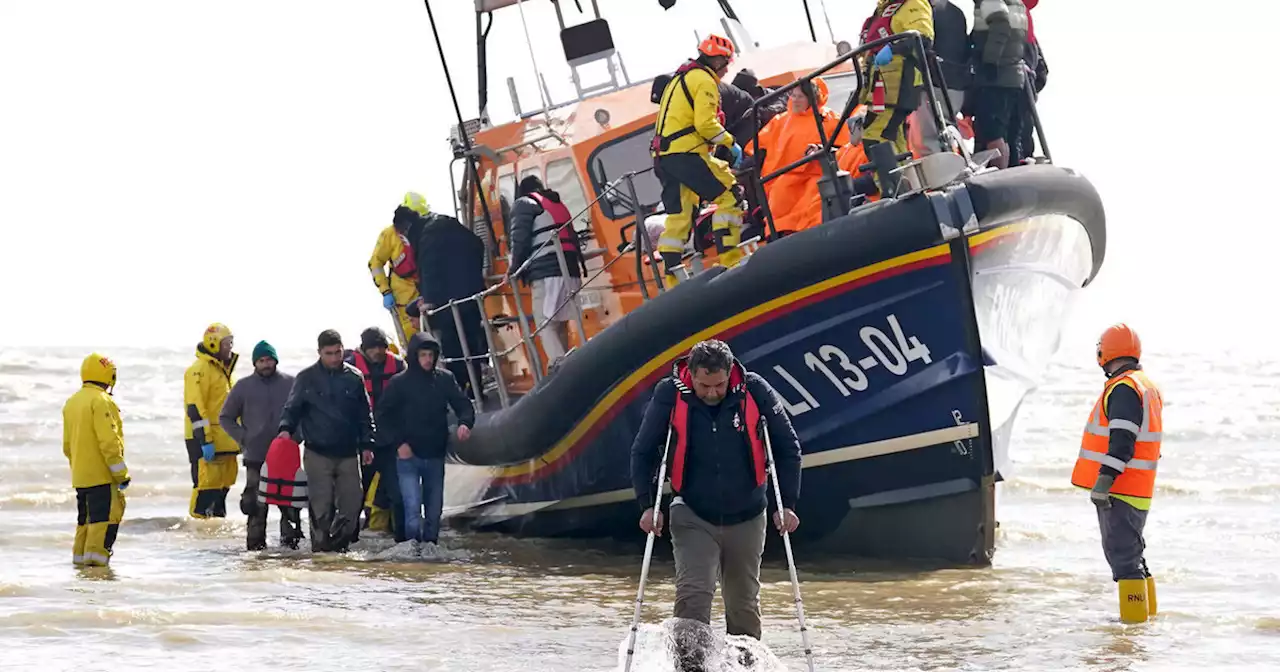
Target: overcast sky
164,164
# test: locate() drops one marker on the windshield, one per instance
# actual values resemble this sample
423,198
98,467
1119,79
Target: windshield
563,179
627,154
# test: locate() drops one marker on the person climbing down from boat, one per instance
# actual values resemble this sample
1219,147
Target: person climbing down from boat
999,44
893,71
212,452
251,416
793,197
538,221
688,128
451,261
93,442
413,415
952,63
383,509
717,413
1117,464
394,249
329,409
1037,71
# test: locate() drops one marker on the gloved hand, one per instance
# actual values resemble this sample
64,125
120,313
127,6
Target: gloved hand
123,484
388,301
1101,493
737,155
884,56
207,449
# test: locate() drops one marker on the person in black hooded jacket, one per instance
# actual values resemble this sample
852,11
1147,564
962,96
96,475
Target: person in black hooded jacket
413,415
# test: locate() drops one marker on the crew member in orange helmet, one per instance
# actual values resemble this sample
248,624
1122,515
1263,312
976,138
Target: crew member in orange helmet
1117,464
787,138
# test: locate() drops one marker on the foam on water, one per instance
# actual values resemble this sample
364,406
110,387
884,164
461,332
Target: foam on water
683,645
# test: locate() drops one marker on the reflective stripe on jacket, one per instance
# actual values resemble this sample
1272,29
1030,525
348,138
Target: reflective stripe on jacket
1137,476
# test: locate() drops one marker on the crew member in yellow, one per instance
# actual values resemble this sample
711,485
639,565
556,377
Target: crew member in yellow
212,451
894,74
394,249
1117,464
688,127
93,441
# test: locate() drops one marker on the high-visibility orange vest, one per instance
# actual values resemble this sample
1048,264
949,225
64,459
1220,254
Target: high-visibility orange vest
1138,477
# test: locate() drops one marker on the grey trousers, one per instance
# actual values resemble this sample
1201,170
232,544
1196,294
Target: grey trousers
1122,542
335,498
290,518
705,553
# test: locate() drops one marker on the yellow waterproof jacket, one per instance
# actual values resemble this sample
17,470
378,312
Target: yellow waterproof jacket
676,114
914,15
388,250
93,438
205,387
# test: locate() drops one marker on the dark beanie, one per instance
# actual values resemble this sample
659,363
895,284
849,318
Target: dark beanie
264,349
373,337
746,80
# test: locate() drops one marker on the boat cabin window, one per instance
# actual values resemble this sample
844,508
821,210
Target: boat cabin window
839,88
629,153
535,171
507,188
562,178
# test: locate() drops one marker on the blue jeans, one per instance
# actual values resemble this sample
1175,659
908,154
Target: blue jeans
421,483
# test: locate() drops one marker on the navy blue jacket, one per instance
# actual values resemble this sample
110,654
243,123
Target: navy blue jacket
719,483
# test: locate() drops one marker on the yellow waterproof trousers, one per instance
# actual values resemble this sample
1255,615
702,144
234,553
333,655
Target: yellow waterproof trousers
379,518
405,293
99,510
688,180
214,480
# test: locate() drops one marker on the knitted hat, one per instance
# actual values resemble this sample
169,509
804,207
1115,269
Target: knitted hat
264,349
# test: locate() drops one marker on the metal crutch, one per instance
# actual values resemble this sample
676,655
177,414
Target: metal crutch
791,562
648,553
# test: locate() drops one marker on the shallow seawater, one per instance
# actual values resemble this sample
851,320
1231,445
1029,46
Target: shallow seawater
182,594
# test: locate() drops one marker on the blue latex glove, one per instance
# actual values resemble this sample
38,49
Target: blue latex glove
123,485
388,301
884,56
207,449
737,155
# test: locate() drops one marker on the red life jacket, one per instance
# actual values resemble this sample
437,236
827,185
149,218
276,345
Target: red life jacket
753,427
404,265
282,481
390,367
880,25
559,215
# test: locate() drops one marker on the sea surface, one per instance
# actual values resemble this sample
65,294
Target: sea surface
183,594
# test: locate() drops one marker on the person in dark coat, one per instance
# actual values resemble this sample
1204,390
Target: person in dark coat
413,416
718,414
450,267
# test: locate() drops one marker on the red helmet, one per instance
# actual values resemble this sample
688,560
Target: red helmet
1118,341
716,45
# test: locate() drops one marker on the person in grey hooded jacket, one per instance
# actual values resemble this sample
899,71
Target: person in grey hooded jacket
999,45
251,416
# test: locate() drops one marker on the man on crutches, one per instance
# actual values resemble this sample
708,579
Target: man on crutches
719,419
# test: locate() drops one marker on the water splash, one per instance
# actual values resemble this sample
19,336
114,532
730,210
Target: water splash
683,645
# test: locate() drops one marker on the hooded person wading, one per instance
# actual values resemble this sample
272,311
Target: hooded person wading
687,129
212,451
413,416
93,441
1117,464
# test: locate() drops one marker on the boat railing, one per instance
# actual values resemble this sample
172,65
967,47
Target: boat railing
825,155
640,244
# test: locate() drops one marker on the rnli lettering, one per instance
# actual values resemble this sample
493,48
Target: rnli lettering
895,351
1137,598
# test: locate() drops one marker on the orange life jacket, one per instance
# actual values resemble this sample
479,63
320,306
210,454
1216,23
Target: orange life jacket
404,265
1138,477
390,367
754,423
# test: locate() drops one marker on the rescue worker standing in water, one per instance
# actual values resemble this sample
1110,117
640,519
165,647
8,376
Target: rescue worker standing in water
687,130
400,288
93,441
894,71
1117,463
212,451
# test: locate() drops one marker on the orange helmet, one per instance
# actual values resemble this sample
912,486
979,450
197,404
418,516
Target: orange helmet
1118,341
716,45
